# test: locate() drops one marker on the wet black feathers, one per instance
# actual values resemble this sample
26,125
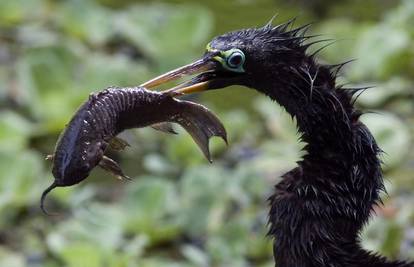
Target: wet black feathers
319,208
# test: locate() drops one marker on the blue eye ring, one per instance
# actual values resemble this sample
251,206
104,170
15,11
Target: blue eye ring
235,59
232,60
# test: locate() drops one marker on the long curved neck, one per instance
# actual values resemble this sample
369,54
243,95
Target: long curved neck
320,207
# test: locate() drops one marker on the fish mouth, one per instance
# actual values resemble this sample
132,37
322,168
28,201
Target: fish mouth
209,75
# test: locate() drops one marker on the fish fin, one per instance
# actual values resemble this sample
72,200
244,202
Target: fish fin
49,157
165,127
118,144
113,167
201,124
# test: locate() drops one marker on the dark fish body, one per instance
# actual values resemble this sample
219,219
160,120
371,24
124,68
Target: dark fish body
97,121
82,144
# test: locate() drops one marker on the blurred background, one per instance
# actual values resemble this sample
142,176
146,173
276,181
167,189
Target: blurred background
179,210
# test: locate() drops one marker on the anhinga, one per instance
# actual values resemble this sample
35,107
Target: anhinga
320,207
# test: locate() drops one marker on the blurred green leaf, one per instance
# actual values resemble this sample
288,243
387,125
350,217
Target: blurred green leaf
345,33
207,188
151,204
378,95
46,74
101,71
392,135
21,180
402,17
392,240
158,261
188,26
382,51
15,11
86,20
195,256
11,258
15,132
82,255
155,163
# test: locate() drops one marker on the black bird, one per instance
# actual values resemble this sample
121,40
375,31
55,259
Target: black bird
320,207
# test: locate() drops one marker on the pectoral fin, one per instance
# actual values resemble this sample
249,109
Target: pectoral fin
118,144
165,127
113,167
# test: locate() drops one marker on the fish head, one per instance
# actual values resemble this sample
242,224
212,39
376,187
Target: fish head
70,169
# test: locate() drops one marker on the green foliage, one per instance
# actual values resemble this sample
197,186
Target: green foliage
179,210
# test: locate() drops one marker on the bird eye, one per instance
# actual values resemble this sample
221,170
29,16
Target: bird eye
236,59
232,59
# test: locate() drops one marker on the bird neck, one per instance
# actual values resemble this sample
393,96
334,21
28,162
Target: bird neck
325,115
320,207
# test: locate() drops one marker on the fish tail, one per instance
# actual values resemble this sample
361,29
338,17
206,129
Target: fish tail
201,124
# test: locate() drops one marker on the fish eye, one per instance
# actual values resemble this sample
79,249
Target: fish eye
236,59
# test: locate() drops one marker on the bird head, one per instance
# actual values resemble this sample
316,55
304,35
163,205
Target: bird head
251,57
